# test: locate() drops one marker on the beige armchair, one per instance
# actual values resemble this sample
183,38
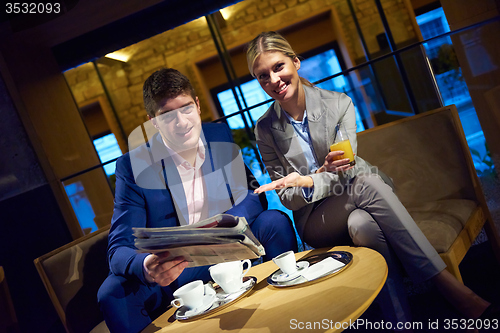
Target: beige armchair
72,275
429,161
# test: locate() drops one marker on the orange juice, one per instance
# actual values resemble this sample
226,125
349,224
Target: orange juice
345,146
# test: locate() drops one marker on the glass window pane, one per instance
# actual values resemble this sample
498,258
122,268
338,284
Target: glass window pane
449,78
81,205
108,149
91,199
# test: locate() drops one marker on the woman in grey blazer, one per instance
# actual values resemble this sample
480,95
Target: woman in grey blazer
334,202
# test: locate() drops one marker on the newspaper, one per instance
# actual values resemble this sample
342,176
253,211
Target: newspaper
218,239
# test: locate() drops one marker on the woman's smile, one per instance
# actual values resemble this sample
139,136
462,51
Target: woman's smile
282,89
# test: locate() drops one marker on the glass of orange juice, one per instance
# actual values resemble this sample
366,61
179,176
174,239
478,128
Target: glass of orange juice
341,142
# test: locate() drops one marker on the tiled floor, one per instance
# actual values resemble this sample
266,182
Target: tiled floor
480,272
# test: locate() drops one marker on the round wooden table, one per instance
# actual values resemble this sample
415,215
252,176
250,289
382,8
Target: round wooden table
329,305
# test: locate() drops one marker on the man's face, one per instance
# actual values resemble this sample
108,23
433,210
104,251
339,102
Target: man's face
179,122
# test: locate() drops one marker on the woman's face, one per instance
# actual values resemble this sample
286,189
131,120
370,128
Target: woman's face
277,75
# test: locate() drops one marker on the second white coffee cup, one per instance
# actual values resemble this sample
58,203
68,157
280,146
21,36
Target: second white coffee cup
286,261
229,275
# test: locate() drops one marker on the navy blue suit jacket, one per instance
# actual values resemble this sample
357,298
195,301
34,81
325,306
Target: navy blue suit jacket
144,199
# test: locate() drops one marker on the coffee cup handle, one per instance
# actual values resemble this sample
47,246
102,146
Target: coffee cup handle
209,289
249,263
177,302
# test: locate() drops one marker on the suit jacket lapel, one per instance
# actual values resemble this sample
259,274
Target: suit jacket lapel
318,125
207,169
286,140
173,180
218,194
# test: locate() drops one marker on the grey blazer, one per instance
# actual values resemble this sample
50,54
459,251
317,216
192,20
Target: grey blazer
282,154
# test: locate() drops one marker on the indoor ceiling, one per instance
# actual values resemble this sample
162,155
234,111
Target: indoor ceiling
90,29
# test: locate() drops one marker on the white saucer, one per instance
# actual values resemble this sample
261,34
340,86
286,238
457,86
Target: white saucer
279,276
223,295
208,301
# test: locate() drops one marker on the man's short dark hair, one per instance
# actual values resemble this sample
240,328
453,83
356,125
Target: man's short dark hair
166,83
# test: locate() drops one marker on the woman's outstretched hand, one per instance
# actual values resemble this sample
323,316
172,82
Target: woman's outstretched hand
332,165
291,180
296,180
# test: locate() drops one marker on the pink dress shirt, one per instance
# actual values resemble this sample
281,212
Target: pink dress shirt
193,183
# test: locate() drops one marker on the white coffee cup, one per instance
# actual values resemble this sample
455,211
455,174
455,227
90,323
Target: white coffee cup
229,275
286,261
191,295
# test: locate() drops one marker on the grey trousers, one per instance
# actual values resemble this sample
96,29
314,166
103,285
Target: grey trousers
368,213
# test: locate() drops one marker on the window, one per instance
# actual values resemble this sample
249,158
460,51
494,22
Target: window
450,81
81,205
253,95
107,148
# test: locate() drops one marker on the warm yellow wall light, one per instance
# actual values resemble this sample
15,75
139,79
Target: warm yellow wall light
226,13
117,55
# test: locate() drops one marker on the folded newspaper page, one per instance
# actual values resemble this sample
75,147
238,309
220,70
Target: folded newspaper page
218,239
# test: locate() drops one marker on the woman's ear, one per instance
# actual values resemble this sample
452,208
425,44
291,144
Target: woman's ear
296,62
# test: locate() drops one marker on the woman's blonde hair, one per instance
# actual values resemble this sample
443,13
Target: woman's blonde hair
270,41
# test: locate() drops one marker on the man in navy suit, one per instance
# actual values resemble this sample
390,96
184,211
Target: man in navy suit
185,173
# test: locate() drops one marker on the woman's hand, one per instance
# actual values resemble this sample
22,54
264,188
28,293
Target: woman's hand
332,165
291,180
156,269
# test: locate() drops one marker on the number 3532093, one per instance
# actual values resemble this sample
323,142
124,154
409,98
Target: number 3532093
32,8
